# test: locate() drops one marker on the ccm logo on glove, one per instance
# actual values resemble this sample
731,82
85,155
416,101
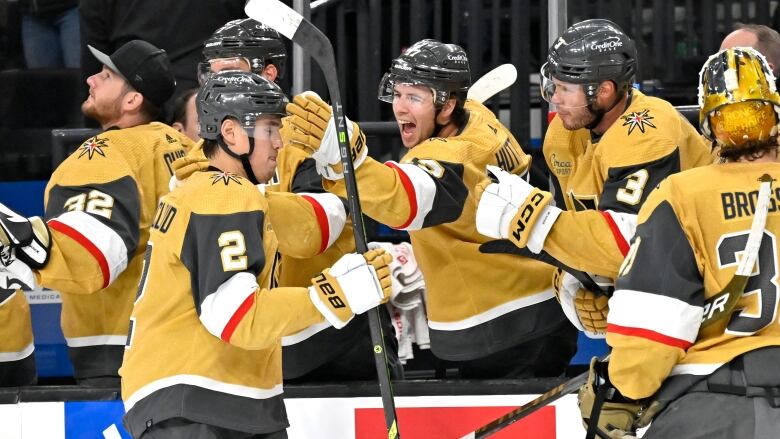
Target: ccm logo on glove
527,213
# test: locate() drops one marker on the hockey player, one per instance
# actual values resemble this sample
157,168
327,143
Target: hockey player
721,380
204,357
493,326
319,352
606,148
99,205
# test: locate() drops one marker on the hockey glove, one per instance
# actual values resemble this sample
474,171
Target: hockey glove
186,166
29,237
510,208
353,285
313,129
14,274
617,416
586,310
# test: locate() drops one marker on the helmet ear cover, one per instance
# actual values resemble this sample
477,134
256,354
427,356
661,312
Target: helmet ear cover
738,99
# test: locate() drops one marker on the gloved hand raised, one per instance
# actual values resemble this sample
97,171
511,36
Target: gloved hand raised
313,129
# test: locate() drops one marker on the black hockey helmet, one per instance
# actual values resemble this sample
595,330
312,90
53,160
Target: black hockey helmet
243,96
250,39
588,53
442,67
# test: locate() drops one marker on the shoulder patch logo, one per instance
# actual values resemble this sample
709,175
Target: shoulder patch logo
93,145
638,119
225,177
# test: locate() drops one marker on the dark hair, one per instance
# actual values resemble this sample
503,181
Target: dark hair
149,111
210,148
751,151
459,115
180,106
768,42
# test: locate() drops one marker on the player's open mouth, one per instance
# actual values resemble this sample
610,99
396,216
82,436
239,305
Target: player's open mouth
407,128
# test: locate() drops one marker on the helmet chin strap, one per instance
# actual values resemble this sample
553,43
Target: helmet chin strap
243,158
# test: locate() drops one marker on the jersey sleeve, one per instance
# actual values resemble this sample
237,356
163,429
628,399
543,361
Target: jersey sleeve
657,307
306,224
604,235
419,193
95,231
224,255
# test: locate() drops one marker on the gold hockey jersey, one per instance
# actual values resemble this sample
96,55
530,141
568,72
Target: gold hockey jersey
692,231
477,303
205,338
17,362
99,205
602,183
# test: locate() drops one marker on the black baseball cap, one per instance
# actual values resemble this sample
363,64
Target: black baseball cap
144,66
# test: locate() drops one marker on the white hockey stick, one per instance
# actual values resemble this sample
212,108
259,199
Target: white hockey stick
292,25
493,82
722,304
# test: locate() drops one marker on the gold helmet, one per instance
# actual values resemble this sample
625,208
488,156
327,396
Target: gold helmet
740,106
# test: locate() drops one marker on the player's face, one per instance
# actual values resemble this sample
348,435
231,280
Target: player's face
571,104
415,113
106,90
268,142
191,119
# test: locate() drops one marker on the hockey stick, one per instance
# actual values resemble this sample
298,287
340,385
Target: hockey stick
530,407
289,23
722,304
506,246
493,82
526,409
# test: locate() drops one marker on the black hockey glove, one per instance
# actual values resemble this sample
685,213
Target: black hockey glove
28,237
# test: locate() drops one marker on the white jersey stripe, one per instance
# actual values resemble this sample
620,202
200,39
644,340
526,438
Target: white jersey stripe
16,356
96,340
220,306
661,314
424,192
493,313
102,237
305,333
335,213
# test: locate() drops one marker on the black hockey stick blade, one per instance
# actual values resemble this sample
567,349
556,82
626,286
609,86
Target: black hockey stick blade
291,24
506,246
530,407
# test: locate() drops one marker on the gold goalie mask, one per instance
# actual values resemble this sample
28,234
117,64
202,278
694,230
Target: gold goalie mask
738,99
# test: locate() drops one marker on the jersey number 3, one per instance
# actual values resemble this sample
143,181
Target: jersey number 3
762,287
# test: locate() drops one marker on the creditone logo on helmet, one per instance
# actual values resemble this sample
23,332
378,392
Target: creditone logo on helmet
235,80
559,42
459,57
606,45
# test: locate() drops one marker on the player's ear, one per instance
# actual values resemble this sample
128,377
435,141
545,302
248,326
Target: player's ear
228,130
607,88
270,72
132,101
443,118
